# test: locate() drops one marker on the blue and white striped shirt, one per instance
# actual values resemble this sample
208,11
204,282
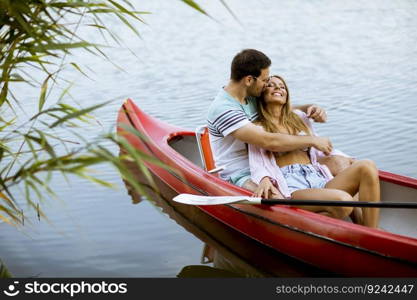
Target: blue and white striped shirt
226,114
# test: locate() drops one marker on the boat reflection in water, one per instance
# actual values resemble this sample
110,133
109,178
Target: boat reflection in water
229,253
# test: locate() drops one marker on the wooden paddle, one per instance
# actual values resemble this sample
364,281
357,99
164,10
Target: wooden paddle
216,200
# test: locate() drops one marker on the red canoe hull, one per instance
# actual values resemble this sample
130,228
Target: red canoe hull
333,245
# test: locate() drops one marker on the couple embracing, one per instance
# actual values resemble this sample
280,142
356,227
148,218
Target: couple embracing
270,147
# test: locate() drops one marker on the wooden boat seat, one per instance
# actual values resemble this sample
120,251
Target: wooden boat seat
206,155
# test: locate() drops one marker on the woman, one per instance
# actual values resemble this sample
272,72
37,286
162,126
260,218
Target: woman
297,174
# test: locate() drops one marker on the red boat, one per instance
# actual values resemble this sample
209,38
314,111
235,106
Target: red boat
337,246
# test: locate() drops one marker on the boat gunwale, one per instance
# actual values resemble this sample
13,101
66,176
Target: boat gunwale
187,166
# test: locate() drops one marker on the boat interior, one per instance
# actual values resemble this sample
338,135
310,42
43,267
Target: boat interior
395,220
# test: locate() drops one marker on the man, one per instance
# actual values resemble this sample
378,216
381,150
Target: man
234,108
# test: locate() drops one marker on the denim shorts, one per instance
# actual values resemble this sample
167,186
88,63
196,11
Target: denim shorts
299,177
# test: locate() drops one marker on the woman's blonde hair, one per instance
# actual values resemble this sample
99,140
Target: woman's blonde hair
288,119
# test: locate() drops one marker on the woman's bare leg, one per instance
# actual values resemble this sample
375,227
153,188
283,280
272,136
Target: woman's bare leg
357,213
362,176
337,164
325,194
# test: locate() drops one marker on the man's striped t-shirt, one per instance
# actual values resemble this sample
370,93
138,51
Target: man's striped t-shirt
226,114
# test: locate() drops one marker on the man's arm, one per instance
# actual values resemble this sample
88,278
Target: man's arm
278,142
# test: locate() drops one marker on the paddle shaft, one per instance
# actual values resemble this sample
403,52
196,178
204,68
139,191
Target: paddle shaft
339,203
219,200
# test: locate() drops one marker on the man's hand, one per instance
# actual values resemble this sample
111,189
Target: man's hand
323,144
317,113
267,190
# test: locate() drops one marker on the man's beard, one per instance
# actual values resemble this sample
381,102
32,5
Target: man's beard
254,93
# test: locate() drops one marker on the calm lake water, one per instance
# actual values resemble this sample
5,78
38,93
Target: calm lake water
357,59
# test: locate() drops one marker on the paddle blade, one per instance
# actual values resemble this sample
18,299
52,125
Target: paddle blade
215,200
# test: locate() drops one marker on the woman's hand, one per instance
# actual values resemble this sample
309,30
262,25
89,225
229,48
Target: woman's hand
267,190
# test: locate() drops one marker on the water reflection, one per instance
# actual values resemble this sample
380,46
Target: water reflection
225,252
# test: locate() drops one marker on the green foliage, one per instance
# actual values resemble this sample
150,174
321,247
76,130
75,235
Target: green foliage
194,5
38,35
34,31
4,273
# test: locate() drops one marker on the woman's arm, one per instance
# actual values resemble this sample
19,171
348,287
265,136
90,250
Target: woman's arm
258,164
265,173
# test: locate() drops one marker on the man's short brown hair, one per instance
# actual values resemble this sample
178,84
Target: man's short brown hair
248,62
